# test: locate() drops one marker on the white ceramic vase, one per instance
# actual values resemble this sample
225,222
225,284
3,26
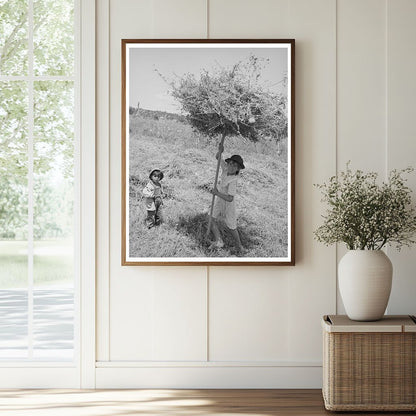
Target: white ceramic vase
364,278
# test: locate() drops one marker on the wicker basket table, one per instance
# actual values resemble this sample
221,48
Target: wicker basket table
369,366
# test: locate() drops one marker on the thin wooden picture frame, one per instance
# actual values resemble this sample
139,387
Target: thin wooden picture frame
208,152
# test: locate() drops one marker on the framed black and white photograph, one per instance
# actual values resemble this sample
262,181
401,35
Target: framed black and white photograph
208,152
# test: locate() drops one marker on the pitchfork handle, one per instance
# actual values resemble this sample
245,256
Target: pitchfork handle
215,183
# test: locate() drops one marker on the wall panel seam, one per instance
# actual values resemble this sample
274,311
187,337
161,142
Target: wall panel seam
336,142
207,314
108,22
207,12
387,49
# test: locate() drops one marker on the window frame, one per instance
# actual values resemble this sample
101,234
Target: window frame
81,371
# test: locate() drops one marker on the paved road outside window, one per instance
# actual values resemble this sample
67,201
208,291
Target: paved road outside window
53,324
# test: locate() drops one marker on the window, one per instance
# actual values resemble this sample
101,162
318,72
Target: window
38,185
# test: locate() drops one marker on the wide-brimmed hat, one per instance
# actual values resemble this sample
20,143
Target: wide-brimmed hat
238,159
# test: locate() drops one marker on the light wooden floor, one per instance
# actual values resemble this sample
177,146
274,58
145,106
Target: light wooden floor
165,402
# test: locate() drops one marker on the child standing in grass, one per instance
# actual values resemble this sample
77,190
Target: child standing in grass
224,208
152,193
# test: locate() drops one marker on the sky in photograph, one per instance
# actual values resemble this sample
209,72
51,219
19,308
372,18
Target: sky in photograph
146,86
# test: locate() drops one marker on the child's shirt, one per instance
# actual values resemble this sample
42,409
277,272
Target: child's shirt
158,191
228,183
150,192
223,209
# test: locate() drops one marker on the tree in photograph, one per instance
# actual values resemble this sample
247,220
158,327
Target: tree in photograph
232,101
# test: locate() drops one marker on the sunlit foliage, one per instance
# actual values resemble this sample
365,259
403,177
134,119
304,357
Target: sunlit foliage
51,117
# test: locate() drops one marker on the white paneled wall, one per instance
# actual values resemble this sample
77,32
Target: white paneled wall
163,314
401,132
254,326
361,84
361,88
311,283
248,19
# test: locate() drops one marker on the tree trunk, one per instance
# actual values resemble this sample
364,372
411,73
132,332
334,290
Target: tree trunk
215,184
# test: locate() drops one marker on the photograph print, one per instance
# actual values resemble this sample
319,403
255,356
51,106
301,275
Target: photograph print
208,152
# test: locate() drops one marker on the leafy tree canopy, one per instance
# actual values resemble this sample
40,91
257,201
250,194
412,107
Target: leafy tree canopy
52,116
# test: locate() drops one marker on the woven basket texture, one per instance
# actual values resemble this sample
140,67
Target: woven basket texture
369,371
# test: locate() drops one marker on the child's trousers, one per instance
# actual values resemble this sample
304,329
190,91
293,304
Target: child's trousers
153,217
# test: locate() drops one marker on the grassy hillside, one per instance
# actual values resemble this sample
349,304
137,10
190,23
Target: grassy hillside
188,162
